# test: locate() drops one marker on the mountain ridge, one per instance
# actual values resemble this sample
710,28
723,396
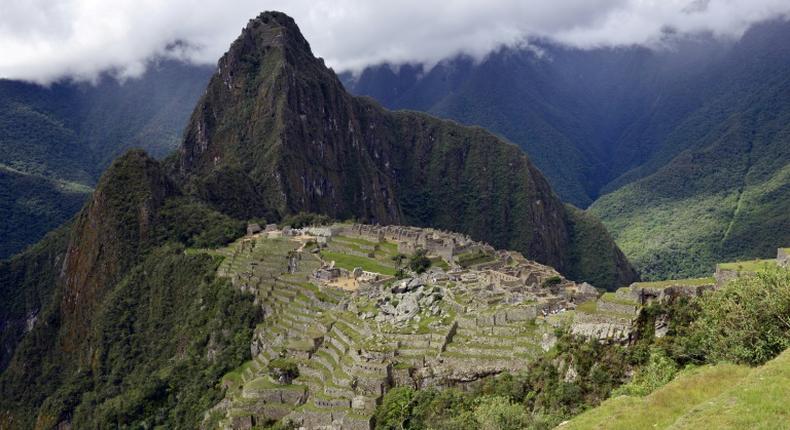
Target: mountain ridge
613,129
276,133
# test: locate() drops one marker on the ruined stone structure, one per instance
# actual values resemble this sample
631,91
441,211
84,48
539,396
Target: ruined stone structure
783,257
440,243
443,327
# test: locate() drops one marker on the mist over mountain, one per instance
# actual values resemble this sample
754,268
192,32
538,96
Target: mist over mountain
596,120
251,246
56,141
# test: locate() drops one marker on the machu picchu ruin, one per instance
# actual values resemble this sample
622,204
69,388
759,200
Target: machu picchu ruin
350,319
347,318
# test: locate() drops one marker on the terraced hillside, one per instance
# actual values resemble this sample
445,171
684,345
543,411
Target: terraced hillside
724,396
337,334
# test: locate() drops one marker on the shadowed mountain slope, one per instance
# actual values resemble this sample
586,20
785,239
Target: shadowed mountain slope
276,133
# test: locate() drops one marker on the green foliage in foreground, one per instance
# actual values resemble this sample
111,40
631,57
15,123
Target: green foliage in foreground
744,322
659,370
540,397
747,321
724,396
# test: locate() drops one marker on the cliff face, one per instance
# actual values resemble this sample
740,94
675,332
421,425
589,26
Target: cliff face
276,133
108,236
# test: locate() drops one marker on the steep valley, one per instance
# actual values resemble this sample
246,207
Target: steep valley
680,150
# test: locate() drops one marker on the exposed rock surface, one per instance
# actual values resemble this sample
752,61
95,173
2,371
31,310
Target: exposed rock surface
276,133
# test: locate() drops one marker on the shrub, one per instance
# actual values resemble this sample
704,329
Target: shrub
419,262
551,281
395,409
283,370
748,320
499,413
659,370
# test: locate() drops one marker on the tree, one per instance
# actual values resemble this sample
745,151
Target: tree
398,258
499,413
419,262
395,409
748,320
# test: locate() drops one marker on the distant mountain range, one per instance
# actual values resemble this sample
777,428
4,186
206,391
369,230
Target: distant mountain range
607,127
698,130
55,141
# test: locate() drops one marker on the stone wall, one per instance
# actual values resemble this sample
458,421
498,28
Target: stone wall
603,328
618,308
783,257
723,276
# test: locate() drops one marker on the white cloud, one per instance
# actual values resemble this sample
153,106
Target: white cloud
44,40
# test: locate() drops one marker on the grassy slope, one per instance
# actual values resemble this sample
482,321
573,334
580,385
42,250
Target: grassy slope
724,396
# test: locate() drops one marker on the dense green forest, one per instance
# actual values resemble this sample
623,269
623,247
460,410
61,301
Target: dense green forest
55,141
162,328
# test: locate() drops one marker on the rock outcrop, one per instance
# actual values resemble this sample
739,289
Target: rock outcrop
109,235
276,133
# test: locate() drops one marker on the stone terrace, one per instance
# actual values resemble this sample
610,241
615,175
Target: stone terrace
474,313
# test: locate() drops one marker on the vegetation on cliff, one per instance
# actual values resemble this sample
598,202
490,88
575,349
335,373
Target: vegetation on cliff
119,323
276,134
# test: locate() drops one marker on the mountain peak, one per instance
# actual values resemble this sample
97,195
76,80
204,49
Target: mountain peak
276,133
271,35
275,29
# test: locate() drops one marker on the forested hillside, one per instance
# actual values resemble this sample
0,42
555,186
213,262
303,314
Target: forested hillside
705,117
722,191
55,141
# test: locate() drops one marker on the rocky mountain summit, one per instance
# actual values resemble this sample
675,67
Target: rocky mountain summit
276,133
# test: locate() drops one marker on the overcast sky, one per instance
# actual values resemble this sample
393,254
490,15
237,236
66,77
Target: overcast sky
45,40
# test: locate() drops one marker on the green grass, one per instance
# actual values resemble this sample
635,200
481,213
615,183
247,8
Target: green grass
440,263
590,307
748,266
669,283
349,262
472,258
723,396
614,298
234,375
356,240
266,383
